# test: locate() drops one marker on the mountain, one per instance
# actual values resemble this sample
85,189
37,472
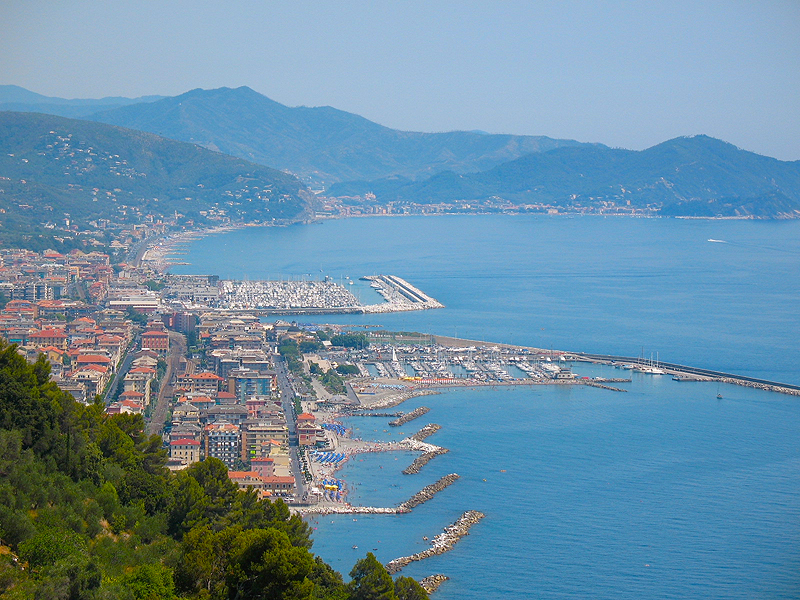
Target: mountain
687,176
321,145
15,98
51,166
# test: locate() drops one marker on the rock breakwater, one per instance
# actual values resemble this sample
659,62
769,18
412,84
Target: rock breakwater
414,414
395,399
441,543
432,582
423,460
428,492
425,432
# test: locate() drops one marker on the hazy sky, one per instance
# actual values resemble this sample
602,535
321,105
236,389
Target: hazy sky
628,74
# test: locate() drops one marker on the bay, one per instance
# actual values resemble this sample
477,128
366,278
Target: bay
663,491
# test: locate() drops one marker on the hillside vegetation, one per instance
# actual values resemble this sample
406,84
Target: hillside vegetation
52,167
89,511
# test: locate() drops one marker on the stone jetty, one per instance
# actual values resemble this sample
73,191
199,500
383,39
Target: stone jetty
414,414
423,460
441,543
594,384
428,492
425,432
432,582
395,399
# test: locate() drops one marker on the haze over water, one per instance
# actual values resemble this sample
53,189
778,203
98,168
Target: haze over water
661,492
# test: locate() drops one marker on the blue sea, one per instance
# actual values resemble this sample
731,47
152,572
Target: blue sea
661,492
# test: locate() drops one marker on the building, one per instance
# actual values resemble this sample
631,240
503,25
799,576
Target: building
186,450
258,435
306,429
157,341
222,441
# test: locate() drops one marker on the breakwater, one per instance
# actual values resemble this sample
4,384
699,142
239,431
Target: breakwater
428,492
425,432
395,399
423,460
683,370
594,384
414,414
441,543
431,583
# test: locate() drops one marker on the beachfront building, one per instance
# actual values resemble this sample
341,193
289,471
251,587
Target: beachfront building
306,429
248,480
279,485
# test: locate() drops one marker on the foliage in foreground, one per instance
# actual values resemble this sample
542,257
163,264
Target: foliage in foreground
88,511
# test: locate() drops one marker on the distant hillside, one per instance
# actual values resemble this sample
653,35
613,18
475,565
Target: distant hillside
51,166
689,176
15,98
321,145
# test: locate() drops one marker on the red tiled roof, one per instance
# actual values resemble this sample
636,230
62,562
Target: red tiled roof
243,475
185,442
94,359
206,376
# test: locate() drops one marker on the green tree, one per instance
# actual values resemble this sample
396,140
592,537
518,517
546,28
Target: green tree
51,545
371,581
264,564
150,582
347,370
407,588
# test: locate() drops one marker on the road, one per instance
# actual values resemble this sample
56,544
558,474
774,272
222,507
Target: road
177,350
121,371
287,393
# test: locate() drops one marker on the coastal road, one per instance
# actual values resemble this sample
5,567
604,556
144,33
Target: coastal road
287,394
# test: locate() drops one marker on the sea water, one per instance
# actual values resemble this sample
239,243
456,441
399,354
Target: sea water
663,491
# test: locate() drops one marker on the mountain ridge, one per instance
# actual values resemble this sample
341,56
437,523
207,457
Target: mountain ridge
675,177
322,145
18,99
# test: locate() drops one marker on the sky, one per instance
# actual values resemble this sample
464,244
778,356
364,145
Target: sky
628,74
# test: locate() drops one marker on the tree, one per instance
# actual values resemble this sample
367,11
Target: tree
264,564
150,582
371,580
407,588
